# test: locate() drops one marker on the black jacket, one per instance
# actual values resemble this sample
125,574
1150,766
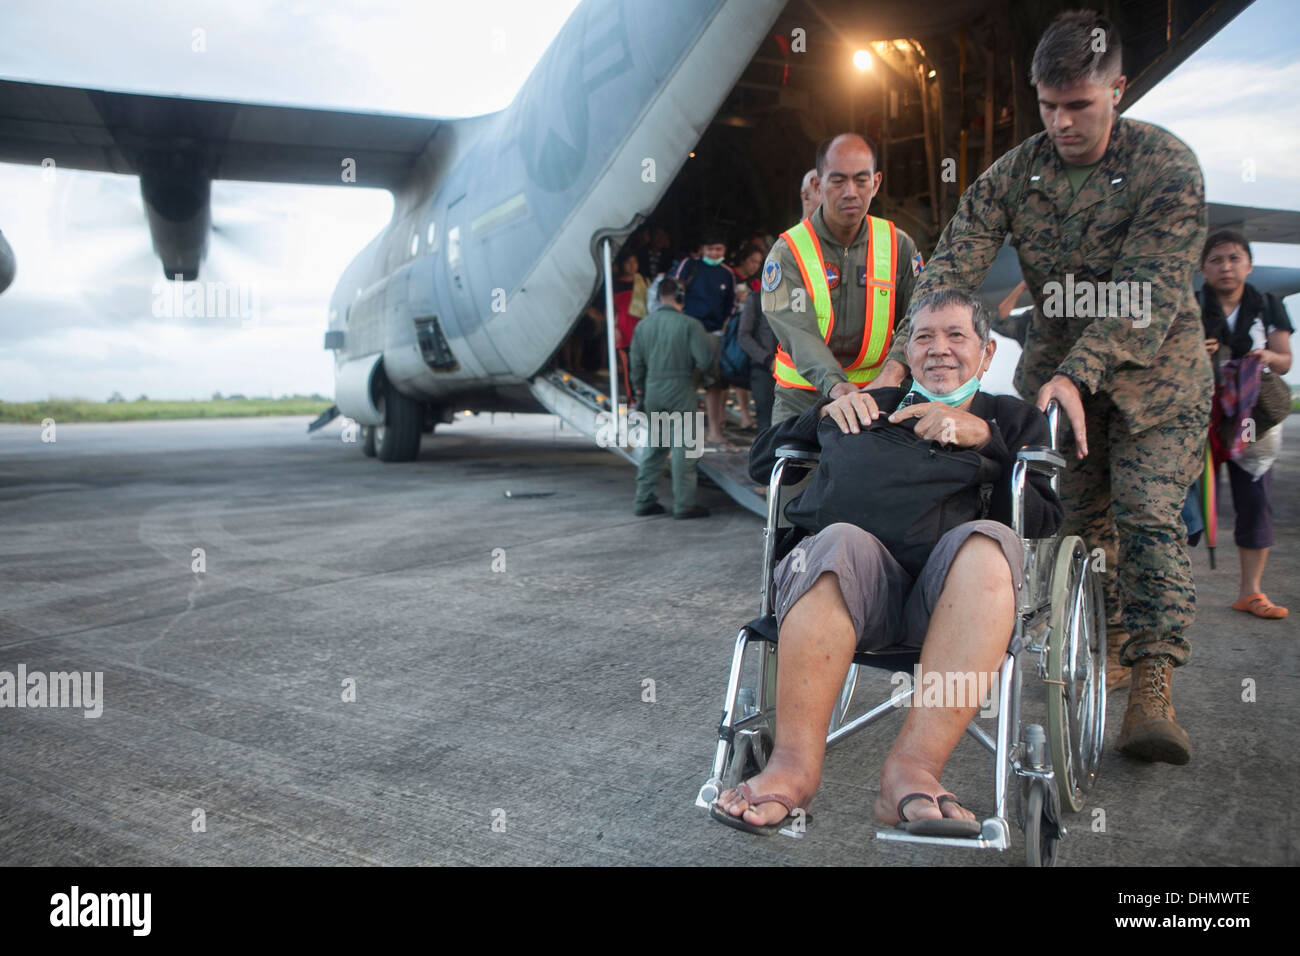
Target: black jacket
1253,305
1015,425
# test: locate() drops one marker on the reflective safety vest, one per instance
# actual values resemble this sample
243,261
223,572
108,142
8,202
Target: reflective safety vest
878,325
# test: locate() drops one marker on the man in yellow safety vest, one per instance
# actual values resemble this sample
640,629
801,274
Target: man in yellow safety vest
836,284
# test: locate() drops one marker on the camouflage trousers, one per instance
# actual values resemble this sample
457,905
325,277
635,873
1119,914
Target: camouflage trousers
1126,499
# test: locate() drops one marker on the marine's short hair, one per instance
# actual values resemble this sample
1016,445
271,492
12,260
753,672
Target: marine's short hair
980,316
1078,46
824,147
668,289
1222,236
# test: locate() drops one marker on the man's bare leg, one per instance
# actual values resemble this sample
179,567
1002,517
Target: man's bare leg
968,632
817,641
714,398
746,419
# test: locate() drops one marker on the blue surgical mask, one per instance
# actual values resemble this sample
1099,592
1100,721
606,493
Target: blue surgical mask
953,398
712,262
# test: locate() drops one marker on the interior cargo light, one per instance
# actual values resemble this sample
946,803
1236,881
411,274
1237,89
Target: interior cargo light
862,60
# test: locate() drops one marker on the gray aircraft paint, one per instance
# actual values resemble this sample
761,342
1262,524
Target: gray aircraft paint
528,192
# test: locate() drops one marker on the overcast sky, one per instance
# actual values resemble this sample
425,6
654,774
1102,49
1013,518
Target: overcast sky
78,320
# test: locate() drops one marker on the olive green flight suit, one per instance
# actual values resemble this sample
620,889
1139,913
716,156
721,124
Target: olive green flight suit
795,323
670,355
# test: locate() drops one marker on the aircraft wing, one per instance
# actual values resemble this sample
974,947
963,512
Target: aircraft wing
1257,225
177,146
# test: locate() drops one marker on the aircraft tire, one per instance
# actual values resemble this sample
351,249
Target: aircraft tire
368,441
398,439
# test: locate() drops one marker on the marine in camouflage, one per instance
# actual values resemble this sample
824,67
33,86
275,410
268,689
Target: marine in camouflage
1143,373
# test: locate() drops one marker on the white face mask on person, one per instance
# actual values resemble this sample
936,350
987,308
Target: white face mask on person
953,398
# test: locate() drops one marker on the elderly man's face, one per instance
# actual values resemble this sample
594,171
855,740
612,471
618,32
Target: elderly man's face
810,194
944,350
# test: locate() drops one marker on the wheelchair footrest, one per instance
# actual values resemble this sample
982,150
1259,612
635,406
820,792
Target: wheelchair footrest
994,835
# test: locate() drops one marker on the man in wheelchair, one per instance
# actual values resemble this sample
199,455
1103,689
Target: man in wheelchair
842,591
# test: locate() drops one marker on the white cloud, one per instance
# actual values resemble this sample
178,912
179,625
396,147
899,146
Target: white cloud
79,318
1231,114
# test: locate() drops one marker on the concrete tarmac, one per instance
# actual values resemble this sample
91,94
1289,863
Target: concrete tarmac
399,664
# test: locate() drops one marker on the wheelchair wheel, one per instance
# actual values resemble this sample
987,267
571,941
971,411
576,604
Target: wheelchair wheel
1076,674
1041,833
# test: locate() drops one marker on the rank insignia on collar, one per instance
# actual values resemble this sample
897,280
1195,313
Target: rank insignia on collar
832,277
771,275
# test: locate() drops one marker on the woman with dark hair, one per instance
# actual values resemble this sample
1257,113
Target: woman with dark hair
1241,322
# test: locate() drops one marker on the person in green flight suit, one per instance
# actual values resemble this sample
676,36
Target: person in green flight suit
836,283
1108,217
671,353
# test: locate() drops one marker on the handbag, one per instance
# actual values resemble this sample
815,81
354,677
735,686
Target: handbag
1273,404
905,490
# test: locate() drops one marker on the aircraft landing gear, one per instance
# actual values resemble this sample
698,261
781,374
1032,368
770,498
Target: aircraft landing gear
398,438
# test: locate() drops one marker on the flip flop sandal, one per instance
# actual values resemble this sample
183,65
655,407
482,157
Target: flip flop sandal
1260,606
950,798
740,823
931,826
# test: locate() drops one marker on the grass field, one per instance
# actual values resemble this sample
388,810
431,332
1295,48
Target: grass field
81,410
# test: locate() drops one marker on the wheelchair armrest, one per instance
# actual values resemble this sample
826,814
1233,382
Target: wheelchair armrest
800,451
1041,459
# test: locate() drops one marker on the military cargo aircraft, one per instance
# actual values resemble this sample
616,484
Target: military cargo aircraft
695,112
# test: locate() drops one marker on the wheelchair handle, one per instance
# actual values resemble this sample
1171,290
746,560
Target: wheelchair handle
1041,459
800,452
1054,423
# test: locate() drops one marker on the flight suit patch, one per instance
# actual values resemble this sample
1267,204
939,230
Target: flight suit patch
862,277
771,275
832,277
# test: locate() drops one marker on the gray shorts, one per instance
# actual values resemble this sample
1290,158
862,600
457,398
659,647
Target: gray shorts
889,609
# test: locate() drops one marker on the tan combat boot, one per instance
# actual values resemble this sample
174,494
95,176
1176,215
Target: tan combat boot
1149,731
1117,675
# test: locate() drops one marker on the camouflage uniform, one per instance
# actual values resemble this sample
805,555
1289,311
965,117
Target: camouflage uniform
796,329
1145,383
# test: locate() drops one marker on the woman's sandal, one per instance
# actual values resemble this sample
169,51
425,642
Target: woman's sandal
1260,606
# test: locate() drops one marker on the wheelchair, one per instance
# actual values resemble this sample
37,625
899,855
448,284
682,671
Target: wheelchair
1060,629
